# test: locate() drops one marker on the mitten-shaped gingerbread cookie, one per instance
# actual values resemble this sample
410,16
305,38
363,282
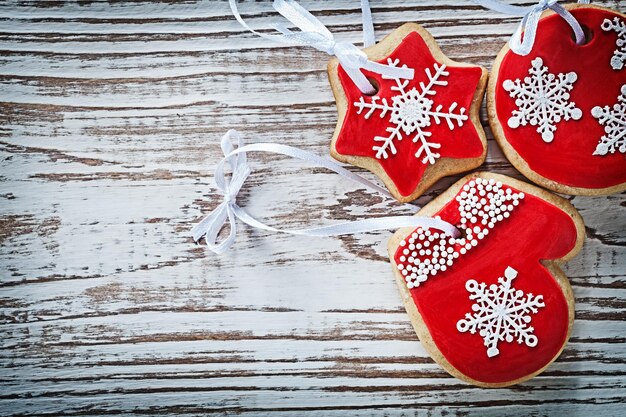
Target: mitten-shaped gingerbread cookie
559,113
492,306
411,132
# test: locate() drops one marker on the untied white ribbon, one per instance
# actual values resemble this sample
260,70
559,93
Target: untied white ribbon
228,210
313,33
523,38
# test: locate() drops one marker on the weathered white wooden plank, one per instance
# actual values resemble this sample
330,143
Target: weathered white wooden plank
110,119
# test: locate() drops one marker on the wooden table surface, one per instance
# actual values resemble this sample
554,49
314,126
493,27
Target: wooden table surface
111,116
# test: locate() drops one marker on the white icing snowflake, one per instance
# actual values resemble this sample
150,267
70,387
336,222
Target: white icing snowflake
619,55
500,313
542,99
482,205
614,121
412,111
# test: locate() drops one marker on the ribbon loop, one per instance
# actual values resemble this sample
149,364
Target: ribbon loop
368,25
228,210
212,224
523,38
238,165
313,33
353,57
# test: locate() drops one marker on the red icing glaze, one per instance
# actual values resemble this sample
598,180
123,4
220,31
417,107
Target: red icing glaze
405,170
569,158
535,230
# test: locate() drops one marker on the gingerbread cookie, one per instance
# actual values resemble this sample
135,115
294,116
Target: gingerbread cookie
492,307
411,132
559,113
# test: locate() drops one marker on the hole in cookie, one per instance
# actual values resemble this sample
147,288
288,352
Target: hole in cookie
375,85
588,35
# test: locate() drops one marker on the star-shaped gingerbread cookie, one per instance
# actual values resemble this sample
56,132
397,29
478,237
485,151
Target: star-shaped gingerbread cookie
411,132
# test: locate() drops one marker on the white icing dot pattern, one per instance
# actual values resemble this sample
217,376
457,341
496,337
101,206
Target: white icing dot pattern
482,204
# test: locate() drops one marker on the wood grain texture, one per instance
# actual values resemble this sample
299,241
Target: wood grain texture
110,120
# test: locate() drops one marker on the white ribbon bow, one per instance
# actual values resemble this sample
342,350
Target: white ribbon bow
313,33
523,39
228,210
214,222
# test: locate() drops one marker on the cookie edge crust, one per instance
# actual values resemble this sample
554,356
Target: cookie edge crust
552,265
443,166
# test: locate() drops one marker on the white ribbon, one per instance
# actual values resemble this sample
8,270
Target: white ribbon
313,33
228,210
369,38
523,39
